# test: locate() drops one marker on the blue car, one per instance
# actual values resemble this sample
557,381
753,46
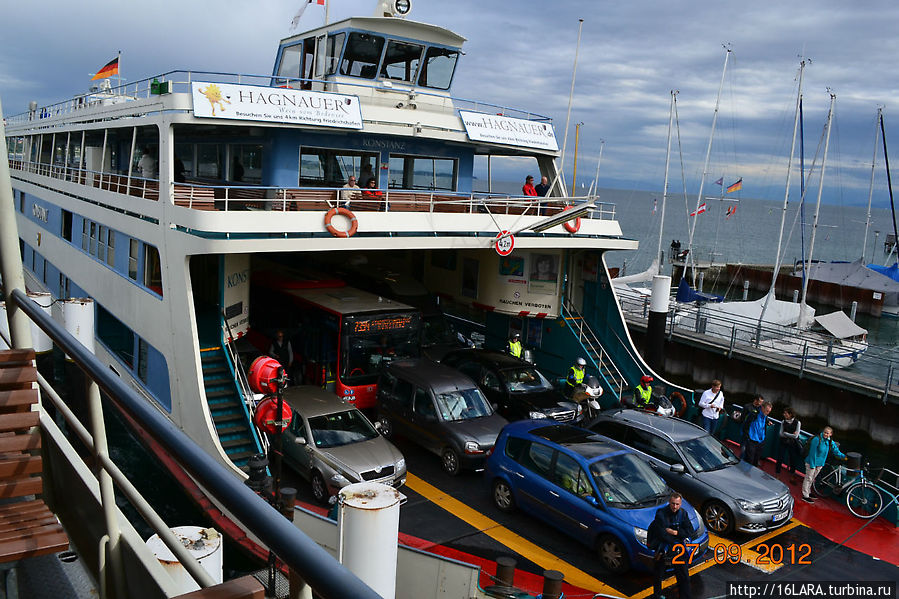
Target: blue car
586,485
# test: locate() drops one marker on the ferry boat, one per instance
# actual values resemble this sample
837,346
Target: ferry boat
242,202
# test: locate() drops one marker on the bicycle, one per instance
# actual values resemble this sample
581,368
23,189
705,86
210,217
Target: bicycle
863,498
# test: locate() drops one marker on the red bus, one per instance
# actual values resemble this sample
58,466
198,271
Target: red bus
342,335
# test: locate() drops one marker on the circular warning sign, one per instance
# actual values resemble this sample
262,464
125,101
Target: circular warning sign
504,245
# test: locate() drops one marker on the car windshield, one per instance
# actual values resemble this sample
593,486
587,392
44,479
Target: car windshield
341,428
705,453
525,379
462,404
626,481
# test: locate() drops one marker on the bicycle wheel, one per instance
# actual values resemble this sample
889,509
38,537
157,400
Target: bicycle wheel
826,481
864,500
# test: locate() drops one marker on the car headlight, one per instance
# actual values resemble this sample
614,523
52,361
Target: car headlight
339,480
749,506
536,415
400,464
640,533
472,447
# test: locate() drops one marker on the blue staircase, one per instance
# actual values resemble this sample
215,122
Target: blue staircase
229,413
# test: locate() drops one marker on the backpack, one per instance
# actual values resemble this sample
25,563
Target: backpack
806,447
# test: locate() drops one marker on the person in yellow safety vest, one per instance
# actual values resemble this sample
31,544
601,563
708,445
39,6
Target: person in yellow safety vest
643,393
514,346
575,375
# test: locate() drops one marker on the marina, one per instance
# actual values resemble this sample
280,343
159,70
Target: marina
165,239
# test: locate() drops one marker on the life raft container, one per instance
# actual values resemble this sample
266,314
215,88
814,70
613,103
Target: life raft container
266,416
262,372
354,225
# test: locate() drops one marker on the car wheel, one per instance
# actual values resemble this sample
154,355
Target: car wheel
717,517
319,489
386,427
612,554
449,459
502,496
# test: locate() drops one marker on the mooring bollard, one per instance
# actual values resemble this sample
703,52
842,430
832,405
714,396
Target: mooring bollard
552,584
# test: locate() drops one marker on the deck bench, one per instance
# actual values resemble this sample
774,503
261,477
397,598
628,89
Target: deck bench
197,198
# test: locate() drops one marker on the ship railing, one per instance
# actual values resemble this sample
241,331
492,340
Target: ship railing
180,81
123,183
313,565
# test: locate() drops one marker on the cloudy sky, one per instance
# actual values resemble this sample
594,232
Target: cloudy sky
520,54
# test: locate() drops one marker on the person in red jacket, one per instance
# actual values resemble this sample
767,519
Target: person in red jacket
528,187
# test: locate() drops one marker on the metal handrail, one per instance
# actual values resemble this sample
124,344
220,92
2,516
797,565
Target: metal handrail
588,337
315,565
242,382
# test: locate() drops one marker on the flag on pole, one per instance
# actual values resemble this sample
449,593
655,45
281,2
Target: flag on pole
720,181
730,211
699,210
296,17
655,203
736,186
109,69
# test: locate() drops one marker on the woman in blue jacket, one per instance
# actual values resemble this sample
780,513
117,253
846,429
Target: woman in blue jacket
819,448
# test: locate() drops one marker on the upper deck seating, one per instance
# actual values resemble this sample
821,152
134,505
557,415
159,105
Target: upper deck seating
193,196
308,199
27,527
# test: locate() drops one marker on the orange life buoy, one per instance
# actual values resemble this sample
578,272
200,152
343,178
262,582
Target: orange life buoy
679,403
343,212
266,416
572,227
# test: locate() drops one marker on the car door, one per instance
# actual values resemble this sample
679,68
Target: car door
569,508
493,389
401,415
299,453
661,455
424,424
533,480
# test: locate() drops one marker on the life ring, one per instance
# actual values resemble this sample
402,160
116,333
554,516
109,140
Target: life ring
354,225
680,404
572,227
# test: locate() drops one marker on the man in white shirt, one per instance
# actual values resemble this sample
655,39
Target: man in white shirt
350,191
712,404
147,165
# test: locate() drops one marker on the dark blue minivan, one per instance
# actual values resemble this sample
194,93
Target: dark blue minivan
588,486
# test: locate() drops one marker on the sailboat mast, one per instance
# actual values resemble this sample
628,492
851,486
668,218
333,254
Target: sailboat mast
886,159
708,155
658,255
594,187
871,185
811,245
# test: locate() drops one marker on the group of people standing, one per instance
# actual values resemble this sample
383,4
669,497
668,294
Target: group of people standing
538,191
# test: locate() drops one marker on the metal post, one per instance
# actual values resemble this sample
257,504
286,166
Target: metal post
804,358
795,296
107,493
886,388
10,259
745,290
701,279
733,340
853,310
830,359
552,584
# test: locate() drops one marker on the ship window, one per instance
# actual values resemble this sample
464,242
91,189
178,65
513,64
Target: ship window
209,161
438,67
401,61
110,251
152,269
67,225
417,172
132,259
85,228
63,286
321,167
113,333
361,56
185,153
290,61
246,163
142,353
93,239
332,52
101,244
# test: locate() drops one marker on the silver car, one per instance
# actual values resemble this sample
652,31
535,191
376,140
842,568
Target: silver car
332,444
728,493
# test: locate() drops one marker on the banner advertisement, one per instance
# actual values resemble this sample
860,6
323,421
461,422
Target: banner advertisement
509,131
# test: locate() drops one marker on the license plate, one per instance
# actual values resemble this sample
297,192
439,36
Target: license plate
781,516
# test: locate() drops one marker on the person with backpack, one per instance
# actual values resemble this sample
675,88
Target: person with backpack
747,417
788,437
712,404
817,450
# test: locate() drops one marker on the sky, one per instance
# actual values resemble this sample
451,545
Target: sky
521,54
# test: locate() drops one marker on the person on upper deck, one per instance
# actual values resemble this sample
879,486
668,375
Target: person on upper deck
147,164
350,191
542,188
528,187
371,190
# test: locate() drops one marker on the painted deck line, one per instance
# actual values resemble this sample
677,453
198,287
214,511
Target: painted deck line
514,542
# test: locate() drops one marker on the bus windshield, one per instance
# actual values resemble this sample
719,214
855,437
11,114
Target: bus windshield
370,341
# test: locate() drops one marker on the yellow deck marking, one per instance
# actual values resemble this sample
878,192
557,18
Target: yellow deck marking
518,544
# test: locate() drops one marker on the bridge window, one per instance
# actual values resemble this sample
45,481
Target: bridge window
322,167
437,70
401,61
332,52
209,161
361,56
290,61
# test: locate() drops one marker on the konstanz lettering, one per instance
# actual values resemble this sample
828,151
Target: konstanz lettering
297,100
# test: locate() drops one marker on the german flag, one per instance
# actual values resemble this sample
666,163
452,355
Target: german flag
109,69
736,186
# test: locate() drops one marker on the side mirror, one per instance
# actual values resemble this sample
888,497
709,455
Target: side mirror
678,468
299,440
592,501
378,427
